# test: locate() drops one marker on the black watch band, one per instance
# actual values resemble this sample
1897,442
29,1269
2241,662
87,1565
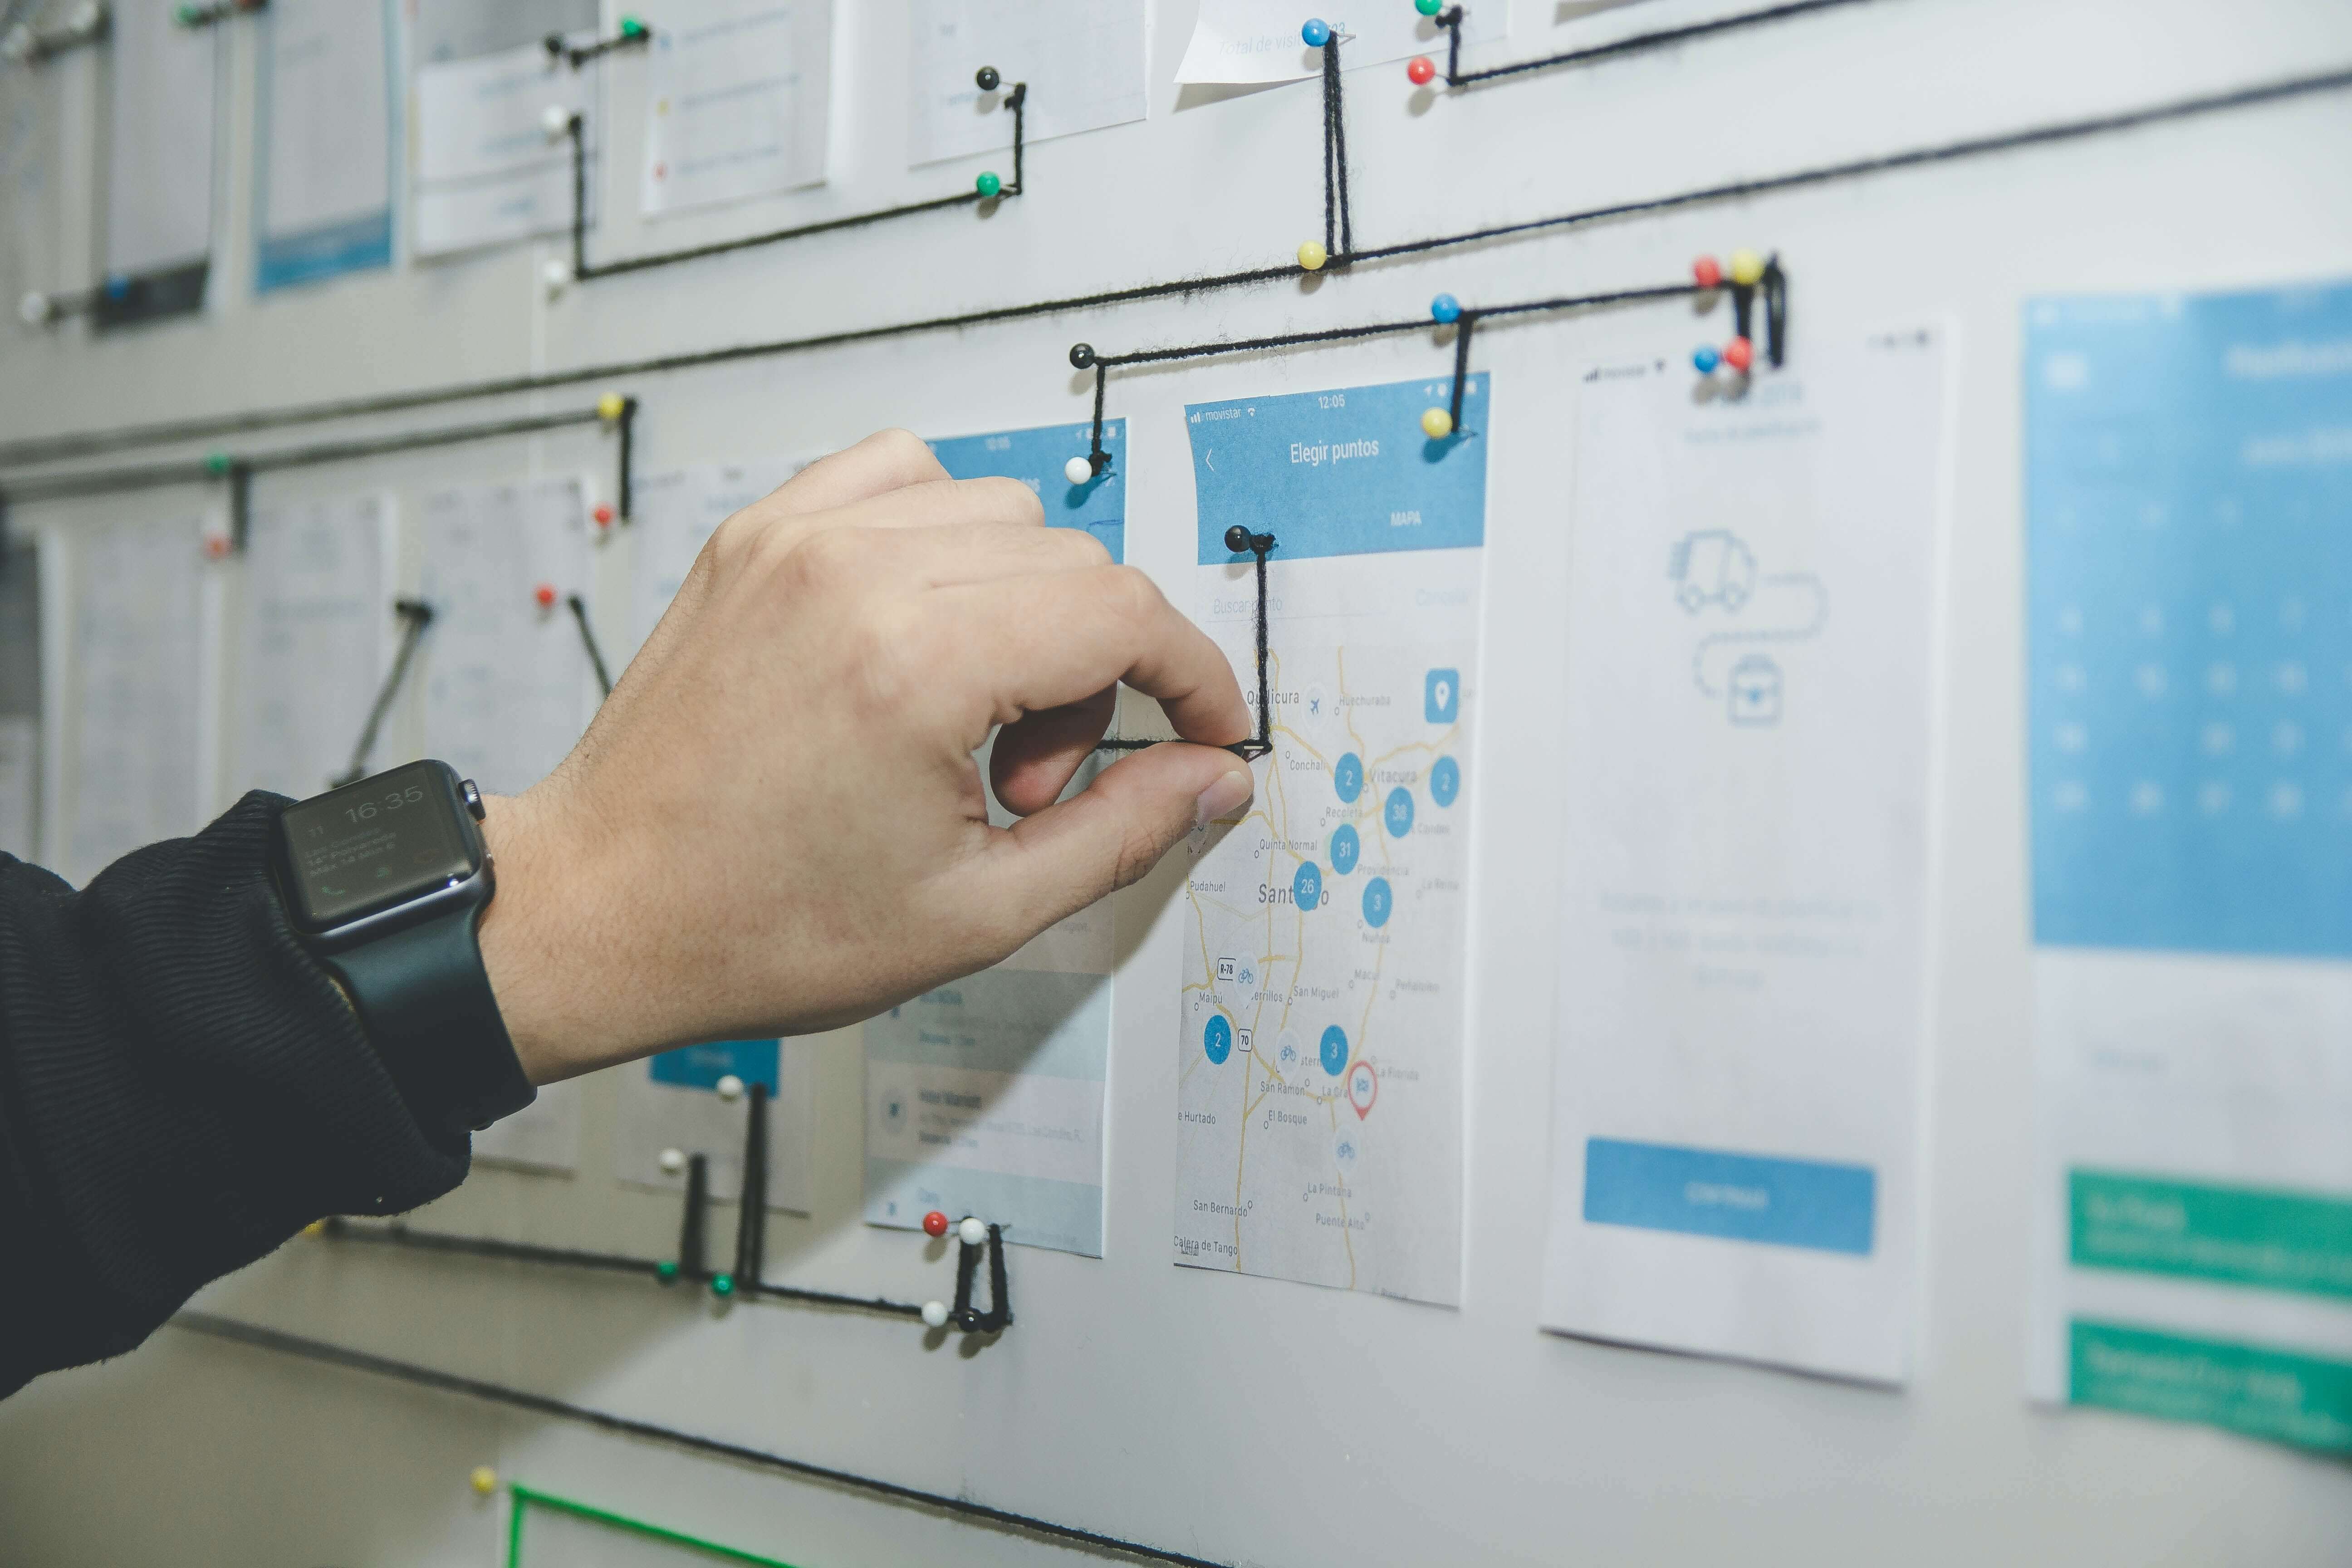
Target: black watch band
428,1008
385,881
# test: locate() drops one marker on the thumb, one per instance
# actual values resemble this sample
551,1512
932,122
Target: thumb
1116,829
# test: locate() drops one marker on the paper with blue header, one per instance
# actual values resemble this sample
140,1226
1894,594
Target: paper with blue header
1751,612
1319,1048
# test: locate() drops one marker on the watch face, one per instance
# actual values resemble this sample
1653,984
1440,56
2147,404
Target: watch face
376,845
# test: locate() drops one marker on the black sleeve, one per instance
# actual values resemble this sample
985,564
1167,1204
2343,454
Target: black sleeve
181,1089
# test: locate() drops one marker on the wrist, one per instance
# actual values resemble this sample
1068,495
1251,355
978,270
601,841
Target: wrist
551,973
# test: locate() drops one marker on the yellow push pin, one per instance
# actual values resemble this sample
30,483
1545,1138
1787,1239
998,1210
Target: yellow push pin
316,1228
1436,424
485,1480
1312,256
609,407
1747,268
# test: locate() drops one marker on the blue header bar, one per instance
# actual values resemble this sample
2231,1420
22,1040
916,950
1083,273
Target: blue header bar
1037,457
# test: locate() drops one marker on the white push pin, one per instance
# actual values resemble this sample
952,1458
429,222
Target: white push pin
557,275
16,44
731,1089
935,1314
33,309
1078,470
556,121
87,17
673,1161
971,1233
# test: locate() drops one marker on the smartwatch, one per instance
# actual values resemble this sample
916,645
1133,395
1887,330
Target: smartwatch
385,881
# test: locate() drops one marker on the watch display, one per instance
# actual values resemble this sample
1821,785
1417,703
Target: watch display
376,844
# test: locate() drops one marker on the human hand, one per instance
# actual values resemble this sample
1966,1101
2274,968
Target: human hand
775,825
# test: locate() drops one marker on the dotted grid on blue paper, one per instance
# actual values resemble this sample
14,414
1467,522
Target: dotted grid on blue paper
2189,605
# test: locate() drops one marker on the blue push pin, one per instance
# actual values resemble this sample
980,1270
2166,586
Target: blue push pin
1317,32
1704,360
1444,308
118,286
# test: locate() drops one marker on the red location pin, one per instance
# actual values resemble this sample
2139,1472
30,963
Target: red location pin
935,1224
545,596
1363,1088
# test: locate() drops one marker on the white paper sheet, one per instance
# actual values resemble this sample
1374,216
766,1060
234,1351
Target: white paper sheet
542,1136
136,692
508,682
1084,61
323,136
671,1102
736,99
487,171
159,186
1258,40
20,780
317,637
1320,1047
1751,608
2189,728
677,511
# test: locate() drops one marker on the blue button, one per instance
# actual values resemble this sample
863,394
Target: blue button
1217,1039
1441,696
1742,1197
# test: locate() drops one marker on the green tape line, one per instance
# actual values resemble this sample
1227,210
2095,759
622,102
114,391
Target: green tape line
2253,1389
526,1498
2269,1239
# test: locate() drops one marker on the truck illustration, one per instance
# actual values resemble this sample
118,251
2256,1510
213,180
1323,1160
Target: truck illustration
1711,566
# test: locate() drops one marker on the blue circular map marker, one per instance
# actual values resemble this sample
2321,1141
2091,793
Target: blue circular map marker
1348,776
1445,780
1217,1039
1307,888
1378,902
1345,848
1399,812
1335,1050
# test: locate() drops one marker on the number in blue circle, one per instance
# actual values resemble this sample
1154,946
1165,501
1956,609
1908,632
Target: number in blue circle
1348,776
1217,1039
1345,848
1445,780
1400,813
1307,888
1377,902
1335,1050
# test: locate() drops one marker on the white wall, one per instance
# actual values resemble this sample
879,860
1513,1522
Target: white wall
1240,1418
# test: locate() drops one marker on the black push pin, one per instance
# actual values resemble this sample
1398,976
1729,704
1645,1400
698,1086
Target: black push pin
1082,357
986,79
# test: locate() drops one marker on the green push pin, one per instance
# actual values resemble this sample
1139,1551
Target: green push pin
988,185
666,1271
632,29
217,462
722,1284
1429,8
187,15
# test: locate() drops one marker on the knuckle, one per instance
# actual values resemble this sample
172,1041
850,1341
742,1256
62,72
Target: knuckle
827,561
1132,595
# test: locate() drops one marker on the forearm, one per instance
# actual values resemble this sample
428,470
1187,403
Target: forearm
182,1088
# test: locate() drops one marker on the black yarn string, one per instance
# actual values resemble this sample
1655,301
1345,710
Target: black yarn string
1261,545
752,1208
1330,161
254,1336
692,1264
582,269
1638,43
1463,324
558,50
626,459
415,615
53,448
578,607
1337,99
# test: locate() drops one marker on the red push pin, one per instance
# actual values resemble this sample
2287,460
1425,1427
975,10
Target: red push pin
1739,353
1420,70
545,594
935,1224
216,546
1706,272
604,516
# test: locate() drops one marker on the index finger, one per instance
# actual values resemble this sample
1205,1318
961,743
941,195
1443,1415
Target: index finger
884,462
1049,640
